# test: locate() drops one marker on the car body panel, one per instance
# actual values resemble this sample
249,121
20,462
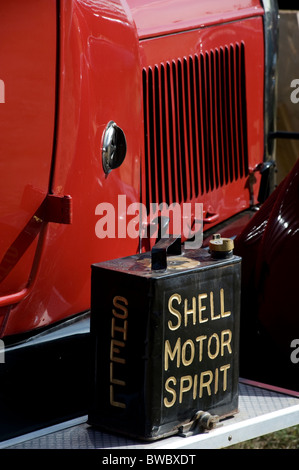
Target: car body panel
101,55
171,16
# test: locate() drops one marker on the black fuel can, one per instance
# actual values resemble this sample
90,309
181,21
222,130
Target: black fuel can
165,341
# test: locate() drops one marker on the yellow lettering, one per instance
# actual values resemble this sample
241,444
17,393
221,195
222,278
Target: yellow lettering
170,403
192,311
216,381
172,354
186,378
120,304
189,361
114,350
122,329
216,337
222,309
213,317
113,402
207,382
195,386
200,340
174,312
226,342
204,384
224,370
121,307
201,308
113,380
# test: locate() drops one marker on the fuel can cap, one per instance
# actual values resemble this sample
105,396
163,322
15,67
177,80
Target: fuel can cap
221,247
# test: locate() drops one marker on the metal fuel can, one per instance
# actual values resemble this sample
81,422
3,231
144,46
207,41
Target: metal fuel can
165,340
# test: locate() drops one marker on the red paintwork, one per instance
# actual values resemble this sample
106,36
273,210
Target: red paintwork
28,67
170,16
99,75
227,200
96,45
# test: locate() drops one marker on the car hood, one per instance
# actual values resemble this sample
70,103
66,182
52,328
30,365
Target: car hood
158,17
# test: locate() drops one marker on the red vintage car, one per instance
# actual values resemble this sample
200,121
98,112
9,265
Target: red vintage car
118,103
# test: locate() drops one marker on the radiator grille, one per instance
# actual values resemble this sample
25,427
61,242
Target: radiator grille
195,128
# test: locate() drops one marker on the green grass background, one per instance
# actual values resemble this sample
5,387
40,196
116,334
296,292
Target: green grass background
284,439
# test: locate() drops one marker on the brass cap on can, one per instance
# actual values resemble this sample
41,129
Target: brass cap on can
221,246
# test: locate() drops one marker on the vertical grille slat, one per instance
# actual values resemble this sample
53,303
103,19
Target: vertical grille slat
194,143
242,111
214,120
180,153
195,124
146,186
219,106
204,99
170,135
229,114
161,181
225,127
186,127
239,111
200,124
233,111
